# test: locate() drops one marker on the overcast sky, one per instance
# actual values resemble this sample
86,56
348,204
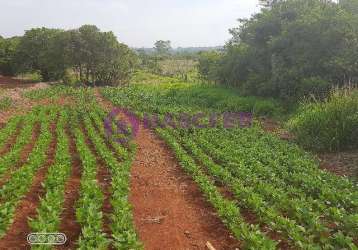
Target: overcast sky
138,23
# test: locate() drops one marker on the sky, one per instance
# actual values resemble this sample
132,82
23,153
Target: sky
138,23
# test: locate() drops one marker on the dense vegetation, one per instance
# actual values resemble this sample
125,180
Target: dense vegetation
290,49
186,97
84,55
330,125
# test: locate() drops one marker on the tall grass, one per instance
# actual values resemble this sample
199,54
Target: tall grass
330,125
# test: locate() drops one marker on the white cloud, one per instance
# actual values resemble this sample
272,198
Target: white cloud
136,22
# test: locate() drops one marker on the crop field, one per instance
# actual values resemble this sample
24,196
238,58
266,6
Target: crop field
213,136
268,192
63,169
50,159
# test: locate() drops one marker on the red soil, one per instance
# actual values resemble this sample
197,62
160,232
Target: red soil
69,225
169,210
16,236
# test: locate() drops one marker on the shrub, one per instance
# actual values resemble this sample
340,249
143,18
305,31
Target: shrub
331,125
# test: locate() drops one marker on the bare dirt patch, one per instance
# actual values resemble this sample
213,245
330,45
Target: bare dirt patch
160,189
341,163
14,88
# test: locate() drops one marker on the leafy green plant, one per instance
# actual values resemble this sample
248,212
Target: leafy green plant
51,204
5,103
331,125
19,183
89,205
123,232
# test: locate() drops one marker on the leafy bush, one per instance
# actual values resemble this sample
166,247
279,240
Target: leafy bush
288,50
329,125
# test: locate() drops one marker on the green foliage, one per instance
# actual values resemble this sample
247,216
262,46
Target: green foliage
162,47
145,78
209,64
8,49
291,49
96,57
227,210
279,183
51,204
21,179
5,103
42,50
329,125
184,97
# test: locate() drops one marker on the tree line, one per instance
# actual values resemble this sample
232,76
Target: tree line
290,49
85,55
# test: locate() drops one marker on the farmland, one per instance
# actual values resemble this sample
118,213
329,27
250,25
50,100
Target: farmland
247,141
264,192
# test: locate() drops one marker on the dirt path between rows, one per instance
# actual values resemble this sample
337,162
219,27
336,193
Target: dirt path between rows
169,210
69,225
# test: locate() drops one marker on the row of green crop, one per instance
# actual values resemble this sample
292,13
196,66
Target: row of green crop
9,130
52,92
99,117
277,180
8,159
89,206
123,232
288,199
51,204
21,180
304,233
227,210
291,164
123,236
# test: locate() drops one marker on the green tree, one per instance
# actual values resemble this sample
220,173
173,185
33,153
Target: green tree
42,50
209,65
8,49
162,47
98,57
293,48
